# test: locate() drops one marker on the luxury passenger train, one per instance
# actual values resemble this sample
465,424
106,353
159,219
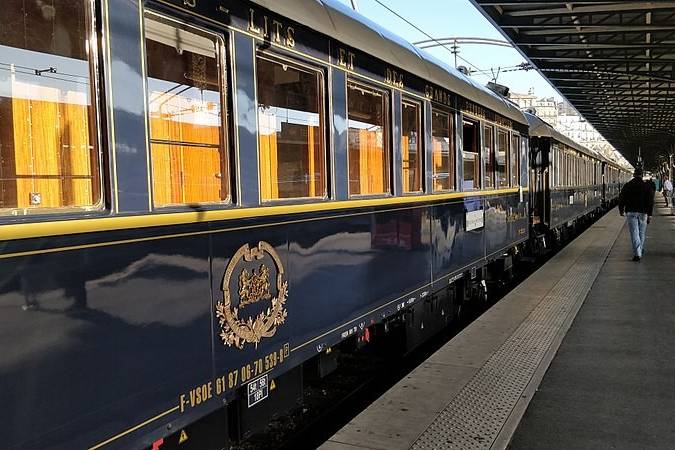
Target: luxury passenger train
200,199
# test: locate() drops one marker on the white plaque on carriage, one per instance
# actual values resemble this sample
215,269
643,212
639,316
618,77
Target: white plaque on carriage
475,220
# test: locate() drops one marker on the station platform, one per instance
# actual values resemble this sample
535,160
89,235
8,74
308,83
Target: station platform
579,355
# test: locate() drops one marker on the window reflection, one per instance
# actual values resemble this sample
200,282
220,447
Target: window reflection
291,130
368,143
502,158
442,151
411,147
189,162
514,166
49,157
471,155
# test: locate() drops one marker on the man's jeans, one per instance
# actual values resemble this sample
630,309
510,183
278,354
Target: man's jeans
637,225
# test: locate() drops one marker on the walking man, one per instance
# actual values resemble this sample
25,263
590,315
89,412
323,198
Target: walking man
667,190
637,202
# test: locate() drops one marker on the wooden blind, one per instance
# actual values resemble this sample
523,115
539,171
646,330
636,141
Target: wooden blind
188,152
49,157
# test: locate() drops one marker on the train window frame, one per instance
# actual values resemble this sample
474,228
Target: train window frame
504,132
514,157
566,161
225,69
387,135
276,56
452,151
488,157
421,143
555,167
478,147
93,37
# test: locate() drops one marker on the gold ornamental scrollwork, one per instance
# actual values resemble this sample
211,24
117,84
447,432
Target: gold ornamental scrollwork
253,286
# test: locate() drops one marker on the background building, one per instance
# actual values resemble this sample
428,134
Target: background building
564,118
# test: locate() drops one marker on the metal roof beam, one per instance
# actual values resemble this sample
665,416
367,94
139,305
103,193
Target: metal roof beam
630,60
529,2
615,97
561,46
613,7
638,91
566,30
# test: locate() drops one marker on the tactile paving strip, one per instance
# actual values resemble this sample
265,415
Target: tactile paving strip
474,418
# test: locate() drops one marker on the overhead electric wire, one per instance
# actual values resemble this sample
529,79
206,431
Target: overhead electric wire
425,33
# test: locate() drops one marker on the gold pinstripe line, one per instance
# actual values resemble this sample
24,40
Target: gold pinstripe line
134,428
65,227
191,233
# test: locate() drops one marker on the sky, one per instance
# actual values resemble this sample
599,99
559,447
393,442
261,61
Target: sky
457,18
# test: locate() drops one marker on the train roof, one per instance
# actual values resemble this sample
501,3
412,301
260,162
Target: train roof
540,128
338,21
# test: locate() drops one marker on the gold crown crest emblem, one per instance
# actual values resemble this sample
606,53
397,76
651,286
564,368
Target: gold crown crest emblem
253,287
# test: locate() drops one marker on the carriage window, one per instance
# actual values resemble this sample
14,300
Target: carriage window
187,144
489,150
49,155
502,159
553,165
514,166
442,151
568,169
290,130
367,110
470,155
411,147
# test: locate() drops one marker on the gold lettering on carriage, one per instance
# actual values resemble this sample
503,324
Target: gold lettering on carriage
438,95
252,267
393,78
346,59
271,30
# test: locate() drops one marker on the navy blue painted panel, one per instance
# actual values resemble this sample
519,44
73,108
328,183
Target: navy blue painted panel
505,222
127,86
568,204
229,357
246,121
496,224
335,272
109,337
351,266
453,247
340,134
142,317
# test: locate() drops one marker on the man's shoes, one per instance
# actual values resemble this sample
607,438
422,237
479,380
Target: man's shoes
636,258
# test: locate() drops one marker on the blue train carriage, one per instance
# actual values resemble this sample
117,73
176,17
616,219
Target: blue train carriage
615,175
199,198
567,179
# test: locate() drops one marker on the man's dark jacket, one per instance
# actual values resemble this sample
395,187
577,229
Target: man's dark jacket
636,196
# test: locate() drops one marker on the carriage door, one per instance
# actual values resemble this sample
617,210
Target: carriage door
540,194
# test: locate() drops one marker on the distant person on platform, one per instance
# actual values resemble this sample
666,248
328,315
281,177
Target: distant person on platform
667,190
637,202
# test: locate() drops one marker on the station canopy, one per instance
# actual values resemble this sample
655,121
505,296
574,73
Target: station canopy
613,61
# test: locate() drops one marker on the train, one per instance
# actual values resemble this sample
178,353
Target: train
202,200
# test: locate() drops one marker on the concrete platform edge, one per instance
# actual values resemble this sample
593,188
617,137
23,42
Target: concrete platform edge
506,434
